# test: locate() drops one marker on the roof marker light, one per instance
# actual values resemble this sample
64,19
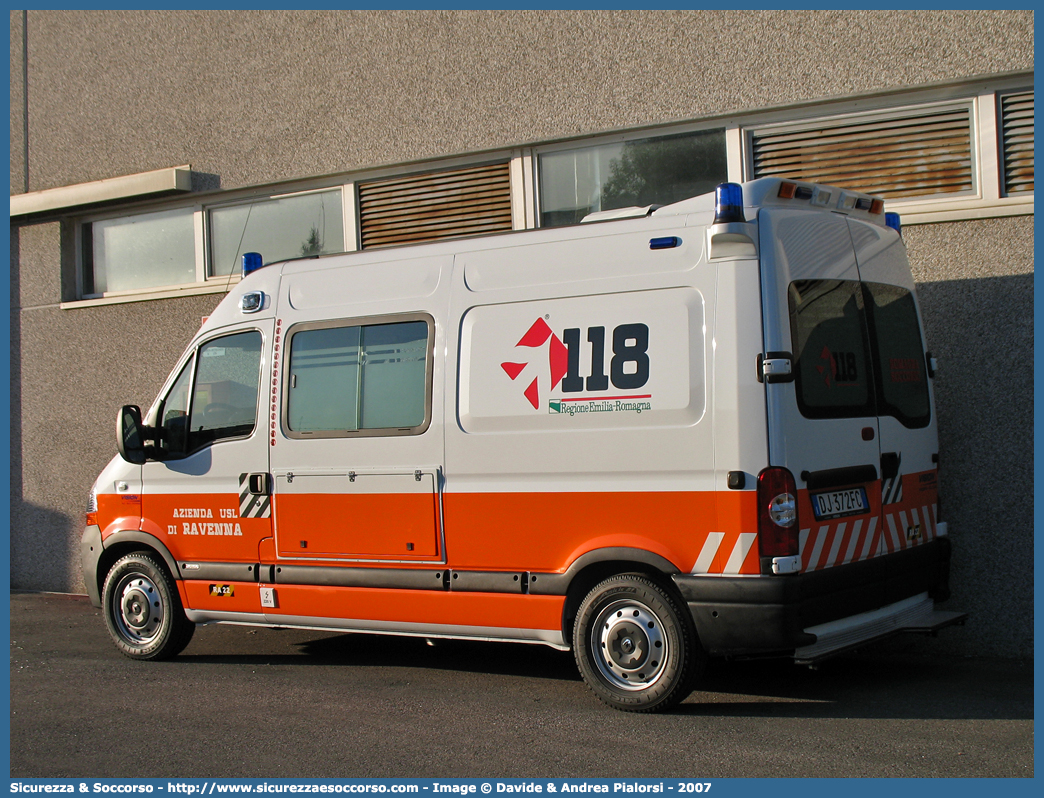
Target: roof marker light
728,203
803,192
892,220
786,190
877,206
822,197
864,204
251,262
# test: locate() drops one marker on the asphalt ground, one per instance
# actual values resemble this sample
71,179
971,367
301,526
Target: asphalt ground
246,703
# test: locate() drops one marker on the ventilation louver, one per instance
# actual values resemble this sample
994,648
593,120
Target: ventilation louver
1017,135
436,205
917,154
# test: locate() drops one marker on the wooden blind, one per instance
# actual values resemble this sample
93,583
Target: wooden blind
1017,135
913,155
435,205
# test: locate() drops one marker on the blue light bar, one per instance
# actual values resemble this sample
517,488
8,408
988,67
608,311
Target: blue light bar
728,203
251,262
892,220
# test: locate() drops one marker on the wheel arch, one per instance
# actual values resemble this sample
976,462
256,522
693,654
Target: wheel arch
595,566
126,541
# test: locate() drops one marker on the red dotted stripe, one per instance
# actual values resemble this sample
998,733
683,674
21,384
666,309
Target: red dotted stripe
274,404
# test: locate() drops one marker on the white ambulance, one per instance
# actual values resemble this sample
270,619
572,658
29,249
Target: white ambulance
703,429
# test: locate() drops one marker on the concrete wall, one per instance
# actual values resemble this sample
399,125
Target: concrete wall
257,97
975,282
261,96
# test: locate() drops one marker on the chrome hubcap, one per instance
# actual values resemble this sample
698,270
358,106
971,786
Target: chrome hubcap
630,646
139,615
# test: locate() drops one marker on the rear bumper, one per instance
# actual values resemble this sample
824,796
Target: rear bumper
754,615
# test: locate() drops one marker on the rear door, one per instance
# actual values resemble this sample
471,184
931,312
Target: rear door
906,421
823,425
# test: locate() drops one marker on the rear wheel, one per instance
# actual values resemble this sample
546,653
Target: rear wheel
635,648
143,610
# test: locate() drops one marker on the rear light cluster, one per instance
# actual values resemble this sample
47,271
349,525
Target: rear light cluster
777,513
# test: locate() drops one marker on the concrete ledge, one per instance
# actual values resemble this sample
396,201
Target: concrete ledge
176,178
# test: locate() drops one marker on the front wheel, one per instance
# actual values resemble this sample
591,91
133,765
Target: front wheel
634,647
143,610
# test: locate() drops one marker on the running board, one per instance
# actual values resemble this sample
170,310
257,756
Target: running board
916,614
547,637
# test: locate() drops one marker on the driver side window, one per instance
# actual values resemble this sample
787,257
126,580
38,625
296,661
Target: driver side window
215,396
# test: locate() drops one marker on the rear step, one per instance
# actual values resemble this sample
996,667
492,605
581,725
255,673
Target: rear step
916,614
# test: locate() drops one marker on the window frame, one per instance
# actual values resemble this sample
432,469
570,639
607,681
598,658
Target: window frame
204,281
982,97
155,415
86,222
356,321
620,137
207,233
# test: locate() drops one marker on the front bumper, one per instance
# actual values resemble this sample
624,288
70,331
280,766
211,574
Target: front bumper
761,615
90,553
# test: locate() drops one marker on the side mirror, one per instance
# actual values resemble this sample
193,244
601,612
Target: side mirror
129,439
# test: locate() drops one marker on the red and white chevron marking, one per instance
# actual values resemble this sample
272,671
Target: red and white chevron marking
844,541
721,556
909,527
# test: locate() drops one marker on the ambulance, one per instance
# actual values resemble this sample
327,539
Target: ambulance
669,433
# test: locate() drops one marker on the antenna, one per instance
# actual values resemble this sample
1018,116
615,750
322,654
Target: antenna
239,248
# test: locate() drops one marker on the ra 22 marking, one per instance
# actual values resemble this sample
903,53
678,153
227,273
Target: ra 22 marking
630,346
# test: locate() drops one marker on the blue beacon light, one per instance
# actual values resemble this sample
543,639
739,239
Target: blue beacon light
728,203
251,262
892,220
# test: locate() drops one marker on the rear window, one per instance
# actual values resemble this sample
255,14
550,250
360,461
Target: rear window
830,345
899,355
858,351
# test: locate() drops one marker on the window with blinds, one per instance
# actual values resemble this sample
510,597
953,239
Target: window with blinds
435,205
1017,136
922,153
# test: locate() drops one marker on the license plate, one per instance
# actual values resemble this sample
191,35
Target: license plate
838,503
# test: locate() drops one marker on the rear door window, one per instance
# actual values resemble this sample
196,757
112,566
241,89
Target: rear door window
858,351
899,355
830,346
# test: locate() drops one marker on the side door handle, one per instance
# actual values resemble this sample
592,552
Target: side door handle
259,484
889,465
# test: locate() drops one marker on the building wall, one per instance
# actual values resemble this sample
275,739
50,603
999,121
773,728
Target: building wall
975,283
257,97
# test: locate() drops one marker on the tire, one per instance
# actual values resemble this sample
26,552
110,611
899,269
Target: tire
143,610
635,648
